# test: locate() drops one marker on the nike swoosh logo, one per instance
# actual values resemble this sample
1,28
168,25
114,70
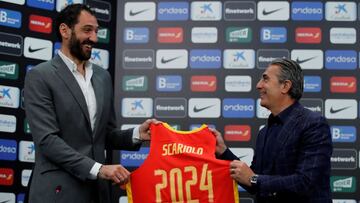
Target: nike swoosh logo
265,13
338,110
34,50
132,13
5,201
304,60
240,157
196,110
168,60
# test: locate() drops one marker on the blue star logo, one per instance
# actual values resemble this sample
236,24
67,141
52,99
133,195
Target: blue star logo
137,104
341,7
31,149
5,93
206,7
95,55
238,56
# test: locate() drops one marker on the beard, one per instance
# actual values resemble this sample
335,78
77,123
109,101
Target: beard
77,50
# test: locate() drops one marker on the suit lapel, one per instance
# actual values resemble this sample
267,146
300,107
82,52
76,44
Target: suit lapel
259,149
72,85
99,94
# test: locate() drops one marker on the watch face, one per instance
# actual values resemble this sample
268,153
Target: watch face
253,179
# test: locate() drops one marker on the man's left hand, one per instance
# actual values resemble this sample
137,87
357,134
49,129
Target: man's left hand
144,129
241,172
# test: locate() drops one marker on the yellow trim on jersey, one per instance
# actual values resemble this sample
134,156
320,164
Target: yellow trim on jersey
129,192
166,125
236,192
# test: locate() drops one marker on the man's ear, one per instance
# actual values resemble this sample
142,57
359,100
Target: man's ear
287,84
65,31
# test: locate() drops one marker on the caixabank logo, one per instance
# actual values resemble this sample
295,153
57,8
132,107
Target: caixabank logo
9,97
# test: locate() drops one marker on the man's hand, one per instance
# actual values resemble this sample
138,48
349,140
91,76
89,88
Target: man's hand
117,173
241,172
220,144
144,129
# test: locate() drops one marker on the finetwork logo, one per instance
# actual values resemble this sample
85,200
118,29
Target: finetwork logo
314,105
273,35
265,56
135,83
312,84
239,11
9,70
168,83
237,133
140,11
9,97
341,108
238,34
134,159
309,59
344,159
238,108
101,9
244,154
205,58
307,11
137,107
343,184
204,108
273,11
173,11
11,44
40,24
138,59
171,58
7,123
43,4
26,151
170,35
206,10
343,134
342,35
203,83
343,84
238,83
61,4
136,35
340,11
8,149
100,57
340,60
239,59
10,18
308,35
170,107
36,48
204,35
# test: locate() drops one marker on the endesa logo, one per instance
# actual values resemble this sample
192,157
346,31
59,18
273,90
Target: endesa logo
134,159
8,149
273,35
237,132
312,84
6,176
205,58
40,24
340,60
311,11
173,11
10,18
203,83
308,35
343,84
238,108
43,4
170,35
343,133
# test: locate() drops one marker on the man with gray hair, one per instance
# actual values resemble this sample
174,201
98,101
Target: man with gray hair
292,155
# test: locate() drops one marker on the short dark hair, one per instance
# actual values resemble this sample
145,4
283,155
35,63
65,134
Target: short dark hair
290,70
69,15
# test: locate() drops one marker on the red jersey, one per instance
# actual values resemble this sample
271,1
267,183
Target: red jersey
181,167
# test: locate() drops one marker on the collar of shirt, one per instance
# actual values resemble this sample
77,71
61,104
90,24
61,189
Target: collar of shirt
73,67
282,116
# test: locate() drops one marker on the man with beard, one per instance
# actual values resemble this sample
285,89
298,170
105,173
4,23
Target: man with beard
69,106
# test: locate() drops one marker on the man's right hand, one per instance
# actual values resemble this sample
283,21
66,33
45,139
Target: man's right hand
117,173
220,144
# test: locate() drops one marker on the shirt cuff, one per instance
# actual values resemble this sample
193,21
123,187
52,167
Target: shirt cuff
94,171
136,135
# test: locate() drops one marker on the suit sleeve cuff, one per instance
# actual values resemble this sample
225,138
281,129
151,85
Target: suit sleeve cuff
94,171
136,135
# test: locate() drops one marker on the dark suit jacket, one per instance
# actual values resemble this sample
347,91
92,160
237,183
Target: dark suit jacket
66,146
300,161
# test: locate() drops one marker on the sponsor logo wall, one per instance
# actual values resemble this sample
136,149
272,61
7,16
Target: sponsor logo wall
194,62
27,38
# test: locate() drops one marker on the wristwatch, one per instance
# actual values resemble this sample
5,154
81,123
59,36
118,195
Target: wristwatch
253,180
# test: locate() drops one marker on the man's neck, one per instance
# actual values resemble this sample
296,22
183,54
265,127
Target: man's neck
281,107
80,65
